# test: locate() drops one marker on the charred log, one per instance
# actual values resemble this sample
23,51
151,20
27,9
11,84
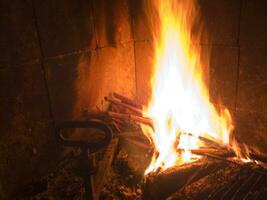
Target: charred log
161,185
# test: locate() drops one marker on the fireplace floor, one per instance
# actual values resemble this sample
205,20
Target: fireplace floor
213,176
213,179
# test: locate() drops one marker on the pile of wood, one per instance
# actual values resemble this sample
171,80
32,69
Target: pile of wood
124,109
174,182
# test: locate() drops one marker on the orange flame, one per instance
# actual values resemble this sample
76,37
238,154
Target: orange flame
180,101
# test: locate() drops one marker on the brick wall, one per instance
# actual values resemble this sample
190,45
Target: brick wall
57,58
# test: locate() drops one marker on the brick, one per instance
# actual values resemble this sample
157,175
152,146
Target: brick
87,84
26,125
65,26
23,92
252,83
108,70
61,77
18,35
253,23
251,128
144,68
220,19
141,20
117,70
31,151
112,22
81,81
223,75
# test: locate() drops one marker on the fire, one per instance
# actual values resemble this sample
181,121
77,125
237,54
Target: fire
180,106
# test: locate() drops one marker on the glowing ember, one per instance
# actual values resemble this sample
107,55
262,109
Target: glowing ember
180,102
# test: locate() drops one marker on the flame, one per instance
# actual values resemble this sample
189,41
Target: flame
179,105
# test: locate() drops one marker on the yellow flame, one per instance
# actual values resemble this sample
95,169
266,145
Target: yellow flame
180,101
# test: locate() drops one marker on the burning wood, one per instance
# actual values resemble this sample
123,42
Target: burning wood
258,157
161,185
212,148
173,181
213,186
210,142
212,152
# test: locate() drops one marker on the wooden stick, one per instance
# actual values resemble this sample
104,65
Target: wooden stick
124,105
253,155
117,127
216,152
124,116
118,121
210,142
258,157
127,100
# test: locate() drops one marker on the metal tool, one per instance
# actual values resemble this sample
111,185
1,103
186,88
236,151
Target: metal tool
86,146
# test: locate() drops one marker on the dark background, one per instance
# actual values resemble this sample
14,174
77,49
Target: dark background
58,57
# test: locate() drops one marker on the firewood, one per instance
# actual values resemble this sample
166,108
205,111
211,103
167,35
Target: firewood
124,105
118,121
230,152
127,100
211,151
124,116
206,187
211,142
258,157
116,126
160,185
229,160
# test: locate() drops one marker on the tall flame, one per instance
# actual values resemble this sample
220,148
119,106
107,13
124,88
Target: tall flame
180,106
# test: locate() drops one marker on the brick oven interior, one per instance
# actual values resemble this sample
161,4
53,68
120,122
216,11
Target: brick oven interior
61,58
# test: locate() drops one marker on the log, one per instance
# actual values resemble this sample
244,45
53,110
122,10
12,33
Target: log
211,151
258,157
127,100
116,126
211,142
161,185
118,121
124,105
229,152
206,187
124,116
230,160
